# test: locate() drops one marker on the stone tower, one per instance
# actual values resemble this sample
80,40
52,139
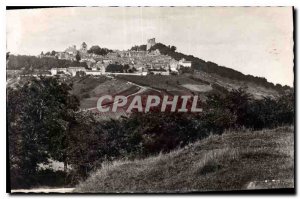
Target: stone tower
83,48
150,43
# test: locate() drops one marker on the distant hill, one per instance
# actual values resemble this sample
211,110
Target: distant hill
210,67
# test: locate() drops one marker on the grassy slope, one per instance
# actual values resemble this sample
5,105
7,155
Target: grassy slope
232,161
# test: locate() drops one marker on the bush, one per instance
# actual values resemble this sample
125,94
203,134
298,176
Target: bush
114,68
270,113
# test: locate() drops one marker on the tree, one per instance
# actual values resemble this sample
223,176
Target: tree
38,115
126,68
227,110
173,48
53,53
99,51
114,68
78,58
139,48
237,101
95,49
80,73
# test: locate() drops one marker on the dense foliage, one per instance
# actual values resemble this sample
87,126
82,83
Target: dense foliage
118,68
139,48
37,123
78,58
99,51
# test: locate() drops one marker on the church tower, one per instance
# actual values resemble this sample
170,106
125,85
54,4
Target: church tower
83,48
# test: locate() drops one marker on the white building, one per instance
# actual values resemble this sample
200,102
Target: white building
54,71
185,63
94,72
174,65
159,71
71,50
107,61
74,70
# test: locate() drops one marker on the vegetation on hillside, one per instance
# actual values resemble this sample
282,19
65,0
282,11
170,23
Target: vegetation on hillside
119,68
142,134
37,126
139,48
99,51
210,67
235,160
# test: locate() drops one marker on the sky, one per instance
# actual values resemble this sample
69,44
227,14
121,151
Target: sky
252,40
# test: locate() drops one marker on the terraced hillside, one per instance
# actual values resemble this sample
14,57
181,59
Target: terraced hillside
200,83
89,89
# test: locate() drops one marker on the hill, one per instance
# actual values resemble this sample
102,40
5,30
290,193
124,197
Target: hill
213,68
231,161
201,83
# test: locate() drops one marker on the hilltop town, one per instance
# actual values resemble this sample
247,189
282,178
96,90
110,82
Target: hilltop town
129,62
151,65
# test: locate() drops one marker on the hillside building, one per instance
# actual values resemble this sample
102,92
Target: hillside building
83,48
174,65
185,63
71,50
150,43
74,70
55,71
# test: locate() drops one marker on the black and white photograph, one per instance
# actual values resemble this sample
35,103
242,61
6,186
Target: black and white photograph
150,100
